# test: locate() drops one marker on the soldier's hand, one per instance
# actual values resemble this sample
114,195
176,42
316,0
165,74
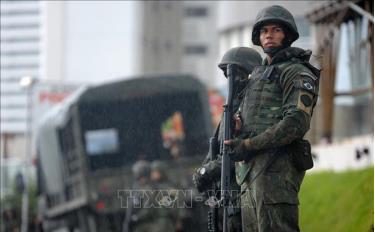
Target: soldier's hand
237,121
204,176
199,181
240,149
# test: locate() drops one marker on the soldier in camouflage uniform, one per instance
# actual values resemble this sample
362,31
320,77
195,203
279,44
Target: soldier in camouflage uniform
274,117
165,215
247,59
138,219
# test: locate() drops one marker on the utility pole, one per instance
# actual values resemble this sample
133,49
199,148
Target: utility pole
27,82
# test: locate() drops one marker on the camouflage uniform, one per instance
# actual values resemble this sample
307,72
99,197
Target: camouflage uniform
247,59
276,111
139,219
166,214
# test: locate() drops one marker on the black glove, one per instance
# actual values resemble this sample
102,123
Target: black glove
240,149
204,176
199,182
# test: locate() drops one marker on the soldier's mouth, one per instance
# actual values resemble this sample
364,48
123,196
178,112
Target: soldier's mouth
269,44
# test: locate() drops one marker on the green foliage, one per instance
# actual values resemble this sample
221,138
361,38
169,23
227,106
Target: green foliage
14,201
338,201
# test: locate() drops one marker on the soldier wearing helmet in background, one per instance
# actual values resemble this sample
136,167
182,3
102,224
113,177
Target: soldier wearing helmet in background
138,214
158,175
167,216
246,59
141,173
270,153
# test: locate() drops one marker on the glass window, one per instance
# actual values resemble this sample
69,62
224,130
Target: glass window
102,141
196,11
195,49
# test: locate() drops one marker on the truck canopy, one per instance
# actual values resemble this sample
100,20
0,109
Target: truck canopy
112,125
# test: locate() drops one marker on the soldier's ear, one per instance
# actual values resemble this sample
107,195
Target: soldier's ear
287,39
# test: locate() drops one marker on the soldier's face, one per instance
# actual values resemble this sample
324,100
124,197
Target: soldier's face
155,175
271,35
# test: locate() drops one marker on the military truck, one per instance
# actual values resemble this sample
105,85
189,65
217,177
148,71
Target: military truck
88,144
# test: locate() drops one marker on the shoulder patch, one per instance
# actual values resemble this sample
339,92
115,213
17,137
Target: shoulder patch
305,101
306,85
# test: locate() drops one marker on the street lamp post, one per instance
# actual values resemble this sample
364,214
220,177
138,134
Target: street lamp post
27,82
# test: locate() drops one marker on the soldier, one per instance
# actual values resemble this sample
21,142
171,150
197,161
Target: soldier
167,216
10,218
247,59
138,214
275,114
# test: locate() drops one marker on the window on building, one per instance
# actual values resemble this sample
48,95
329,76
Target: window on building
19,66
20,39
195,49
155,6
196,11
21,53
20,12
303,26
168,45
20,26
18,2
168,5
155,46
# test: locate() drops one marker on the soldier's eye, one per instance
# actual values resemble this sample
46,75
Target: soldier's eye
278,29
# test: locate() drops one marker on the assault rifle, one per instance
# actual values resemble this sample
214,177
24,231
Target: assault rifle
224,149
213,209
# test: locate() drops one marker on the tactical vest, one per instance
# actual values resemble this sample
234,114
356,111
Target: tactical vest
262,105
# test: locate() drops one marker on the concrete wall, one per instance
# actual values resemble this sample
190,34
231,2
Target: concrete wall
353,153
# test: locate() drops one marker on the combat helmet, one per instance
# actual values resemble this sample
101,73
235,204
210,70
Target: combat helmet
275,14
159,166
246,58
141,169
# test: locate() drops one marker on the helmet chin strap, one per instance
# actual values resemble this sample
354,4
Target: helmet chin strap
271,51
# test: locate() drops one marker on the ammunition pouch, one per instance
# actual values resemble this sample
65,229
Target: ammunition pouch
300,151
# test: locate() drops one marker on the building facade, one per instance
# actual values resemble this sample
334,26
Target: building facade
199,41
21,55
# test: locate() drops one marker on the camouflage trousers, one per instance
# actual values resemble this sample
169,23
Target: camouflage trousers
270,202
234,223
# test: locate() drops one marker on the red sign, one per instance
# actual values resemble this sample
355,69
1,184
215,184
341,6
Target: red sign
216,106
48,97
